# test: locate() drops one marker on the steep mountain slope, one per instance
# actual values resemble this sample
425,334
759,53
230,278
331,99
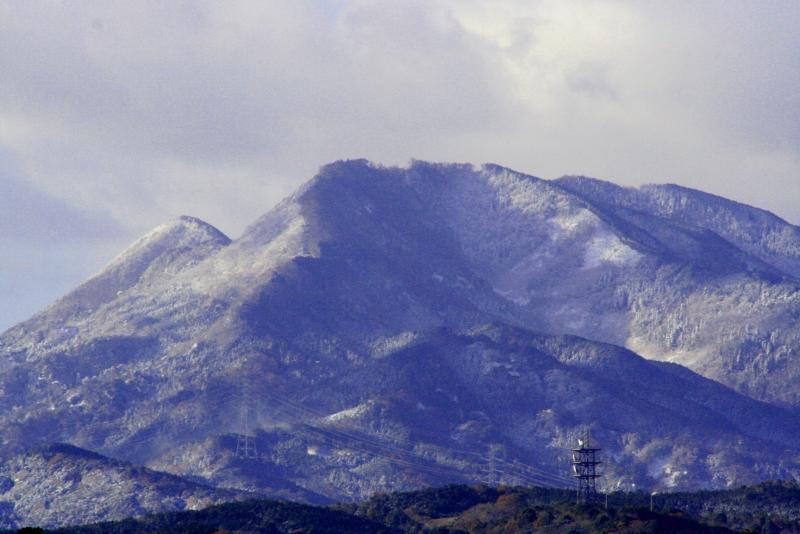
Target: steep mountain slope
64,485
739,328
350,325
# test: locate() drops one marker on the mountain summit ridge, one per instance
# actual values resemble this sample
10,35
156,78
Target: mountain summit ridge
498,228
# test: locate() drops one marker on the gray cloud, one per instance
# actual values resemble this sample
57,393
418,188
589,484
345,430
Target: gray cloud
147,110
27,213
47,246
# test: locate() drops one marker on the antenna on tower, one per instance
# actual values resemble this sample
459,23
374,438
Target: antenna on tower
245,442
584,468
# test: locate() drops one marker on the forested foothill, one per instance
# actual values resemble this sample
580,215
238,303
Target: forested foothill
458,509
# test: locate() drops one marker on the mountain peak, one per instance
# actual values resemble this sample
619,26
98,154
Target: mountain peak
184,227
165,250
182,233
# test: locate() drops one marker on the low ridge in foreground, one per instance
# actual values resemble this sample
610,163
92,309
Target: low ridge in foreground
768,507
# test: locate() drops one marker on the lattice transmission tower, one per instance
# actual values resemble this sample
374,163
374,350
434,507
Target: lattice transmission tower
584,469
246,442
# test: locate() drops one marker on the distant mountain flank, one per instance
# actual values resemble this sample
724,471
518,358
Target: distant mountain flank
64,485
387,328
756,231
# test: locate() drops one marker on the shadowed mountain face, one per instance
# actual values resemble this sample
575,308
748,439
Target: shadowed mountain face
377,331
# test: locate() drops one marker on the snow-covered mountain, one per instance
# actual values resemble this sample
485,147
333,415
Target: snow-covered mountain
385,328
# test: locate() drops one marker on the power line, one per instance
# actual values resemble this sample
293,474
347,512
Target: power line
393,454
245,442
540,477
246,447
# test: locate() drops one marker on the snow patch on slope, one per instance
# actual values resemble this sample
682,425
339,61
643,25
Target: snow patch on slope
520,193
349,413
693,359
387,345
568,224
514,296
606,247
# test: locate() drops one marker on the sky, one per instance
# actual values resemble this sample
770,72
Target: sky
118,116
